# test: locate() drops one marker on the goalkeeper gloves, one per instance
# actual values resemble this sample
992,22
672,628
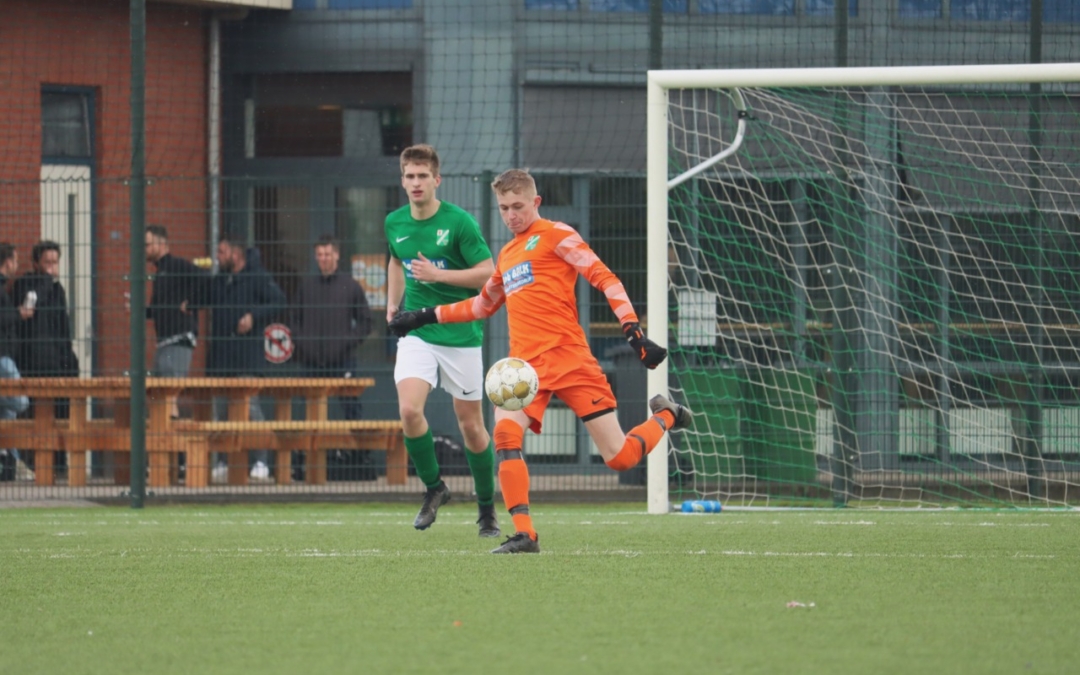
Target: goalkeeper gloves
650,353
403,322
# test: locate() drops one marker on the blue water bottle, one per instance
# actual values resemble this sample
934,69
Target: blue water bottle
701,506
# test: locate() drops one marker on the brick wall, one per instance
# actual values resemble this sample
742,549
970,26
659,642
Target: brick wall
85,43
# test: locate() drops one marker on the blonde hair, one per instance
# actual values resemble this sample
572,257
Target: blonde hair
421,153
514,180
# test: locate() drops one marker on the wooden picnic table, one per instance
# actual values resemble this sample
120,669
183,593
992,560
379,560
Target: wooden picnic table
166,436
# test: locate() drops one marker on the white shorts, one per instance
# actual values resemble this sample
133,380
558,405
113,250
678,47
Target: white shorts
459,369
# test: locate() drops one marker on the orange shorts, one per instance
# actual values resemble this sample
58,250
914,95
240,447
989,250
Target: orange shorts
573,374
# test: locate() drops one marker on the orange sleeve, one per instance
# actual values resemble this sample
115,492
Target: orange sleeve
481,306
573,249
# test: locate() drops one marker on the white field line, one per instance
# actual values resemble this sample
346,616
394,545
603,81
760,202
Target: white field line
402,520
317,553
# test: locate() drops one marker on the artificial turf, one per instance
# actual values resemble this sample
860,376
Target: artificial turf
353,588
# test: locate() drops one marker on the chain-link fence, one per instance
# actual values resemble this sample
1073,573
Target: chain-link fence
270,124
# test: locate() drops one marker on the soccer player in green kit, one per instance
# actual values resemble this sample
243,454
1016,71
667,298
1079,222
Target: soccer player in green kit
437,256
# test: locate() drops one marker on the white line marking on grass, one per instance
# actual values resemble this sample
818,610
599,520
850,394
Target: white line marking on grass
844,522
826,554
435,554
593,552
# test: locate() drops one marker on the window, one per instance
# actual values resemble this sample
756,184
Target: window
369,4
352,4
1054,11
584,127
828,7
65,125
354,115
298,131
670,6
642,6
731,7
564,5
774,7
757,7
920,9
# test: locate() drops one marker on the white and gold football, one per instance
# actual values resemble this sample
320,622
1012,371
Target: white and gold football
511,383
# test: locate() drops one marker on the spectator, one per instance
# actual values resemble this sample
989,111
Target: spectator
243,300
179,287
44,334
331,320
10,406
45,341
332,317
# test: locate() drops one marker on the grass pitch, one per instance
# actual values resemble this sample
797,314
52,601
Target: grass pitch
340,588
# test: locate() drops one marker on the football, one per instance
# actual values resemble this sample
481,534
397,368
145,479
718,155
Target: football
511,383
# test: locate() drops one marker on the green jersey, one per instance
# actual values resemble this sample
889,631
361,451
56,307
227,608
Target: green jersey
451,240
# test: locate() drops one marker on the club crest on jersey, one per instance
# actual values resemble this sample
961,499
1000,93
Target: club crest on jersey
517,276
533,241
442,237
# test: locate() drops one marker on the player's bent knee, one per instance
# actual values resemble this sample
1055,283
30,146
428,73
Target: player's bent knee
508,434
476,438
410,412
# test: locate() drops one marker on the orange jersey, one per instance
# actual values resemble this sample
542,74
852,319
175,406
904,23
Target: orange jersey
535,277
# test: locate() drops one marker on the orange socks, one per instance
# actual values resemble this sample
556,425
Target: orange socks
641,440
514,474
514,481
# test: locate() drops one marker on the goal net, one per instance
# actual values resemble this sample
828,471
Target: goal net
872,284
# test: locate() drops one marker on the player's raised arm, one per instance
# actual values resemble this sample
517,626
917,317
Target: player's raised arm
490,299
573,249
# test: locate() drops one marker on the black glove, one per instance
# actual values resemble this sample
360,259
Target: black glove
403,322
650,353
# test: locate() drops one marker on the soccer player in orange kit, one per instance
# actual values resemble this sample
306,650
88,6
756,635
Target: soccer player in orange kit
535,277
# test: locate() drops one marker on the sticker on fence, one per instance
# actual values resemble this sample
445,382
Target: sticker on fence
278,343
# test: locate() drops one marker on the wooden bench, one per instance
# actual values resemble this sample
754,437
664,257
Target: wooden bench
94,435
167,438
199,439
312,437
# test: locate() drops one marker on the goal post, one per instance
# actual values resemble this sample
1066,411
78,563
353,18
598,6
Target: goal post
871,282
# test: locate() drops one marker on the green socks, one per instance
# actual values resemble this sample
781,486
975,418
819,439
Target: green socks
422,453
482,466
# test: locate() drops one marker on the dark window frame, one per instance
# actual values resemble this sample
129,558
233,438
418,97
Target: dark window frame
89,99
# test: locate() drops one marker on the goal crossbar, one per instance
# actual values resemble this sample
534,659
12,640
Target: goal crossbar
866,77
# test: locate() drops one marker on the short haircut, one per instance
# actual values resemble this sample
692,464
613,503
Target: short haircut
233,240
328,240
42,246
420,154
514,180
7,251
158,231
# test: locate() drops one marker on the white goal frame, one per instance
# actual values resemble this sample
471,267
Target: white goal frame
658,180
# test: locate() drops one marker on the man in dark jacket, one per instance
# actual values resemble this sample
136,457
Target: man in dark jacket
179,287
44,334
45,343
331,320
10,406
243,300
